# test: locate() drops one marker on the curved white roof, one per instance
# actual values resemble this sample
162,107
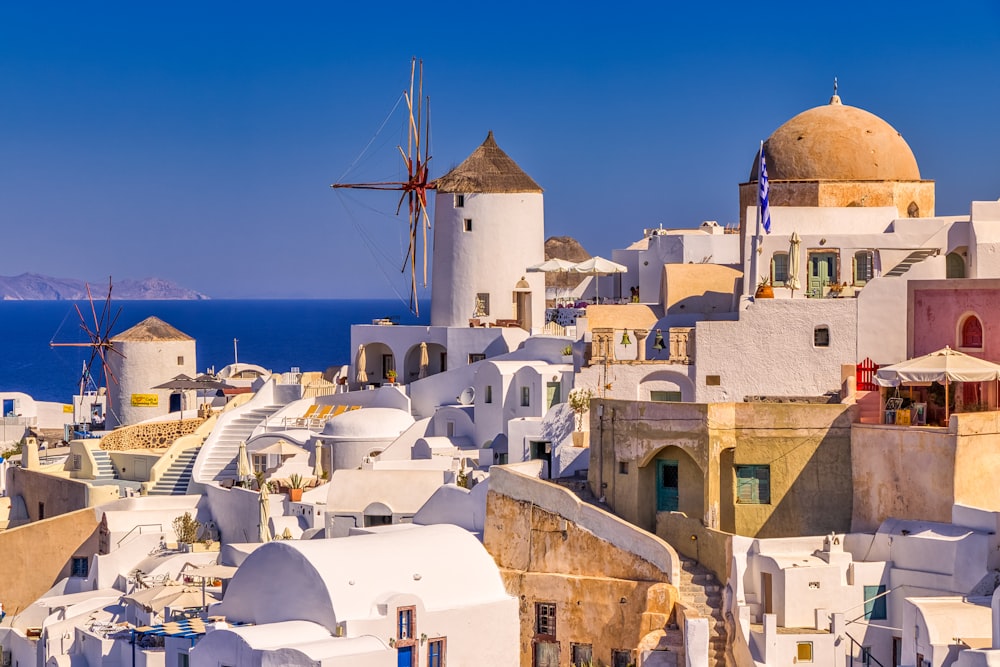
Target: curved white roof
326,581
374,423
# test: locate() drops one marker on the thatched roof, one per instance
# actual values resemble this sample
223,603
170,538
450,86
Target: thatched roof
487,170
149,330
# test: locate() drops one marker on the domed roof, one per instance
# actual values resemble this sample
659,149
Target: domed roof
369,423
839,143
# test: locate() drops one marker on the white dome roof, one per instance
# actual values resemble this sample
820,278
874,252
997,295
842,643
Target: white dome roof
369,423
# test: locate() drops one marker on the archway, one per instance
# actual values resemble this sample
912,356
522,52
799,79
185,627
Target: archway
379,360
665,386
672,481
437,361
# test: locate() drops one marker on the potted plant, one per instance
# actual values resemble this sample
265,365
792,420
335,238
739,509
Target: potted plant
764,288
579,403
295,486
186,528
391,376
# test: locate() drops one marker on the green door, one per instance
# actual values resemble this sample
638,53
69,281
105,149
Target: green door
552,394
666,486
822,271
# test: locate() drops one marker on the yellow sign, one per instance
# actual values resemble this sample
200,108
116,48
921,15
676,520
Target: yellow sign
145,400
68,408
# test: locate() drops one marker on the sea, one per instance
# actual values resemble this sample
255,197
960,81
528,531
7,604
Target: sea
310,334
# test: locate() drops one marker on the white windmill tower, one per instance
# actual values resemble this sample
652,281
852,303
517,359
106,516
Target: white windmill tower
489,226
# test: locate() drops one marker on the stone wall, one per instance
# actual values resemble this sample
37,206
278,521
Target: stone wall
605,595
154,435
39,554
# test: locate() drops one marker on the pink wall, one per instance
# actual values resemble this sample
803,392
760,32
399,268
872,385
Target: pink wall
936,309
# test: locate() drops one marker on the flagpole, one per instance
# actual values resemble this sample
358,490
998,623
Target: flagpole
751,288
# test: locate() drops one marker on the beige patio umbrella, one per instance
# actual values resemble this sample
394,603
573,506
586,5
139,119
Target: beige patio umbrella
424,361
598,266
265,514
362,375
793,263
243,469
282,448
943,366
318,464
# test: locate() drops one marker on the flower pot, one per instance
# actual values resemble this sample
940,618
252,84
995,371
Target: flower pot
295,495
579,439
764,292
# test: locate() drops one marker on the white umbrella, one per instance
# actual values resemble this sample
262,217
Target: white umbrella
265,514
424,361
362,375
243,469
281,448
598,266
318,465
793,262
554,265
943,366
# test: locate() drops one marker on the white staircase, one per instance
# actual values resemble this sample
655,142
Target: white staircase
217,458
105,469
174,482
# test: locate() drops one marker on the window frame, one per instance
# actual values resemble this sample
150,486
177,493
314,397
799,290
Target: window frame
442,643
963,323
819,331
863,259
545,620
526,396
488,394
466,225
798,652
459,200
410,613
757,491
876,608
775,279
78,564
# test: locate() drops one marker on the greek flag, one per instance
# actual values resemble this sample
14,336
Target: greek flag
765,211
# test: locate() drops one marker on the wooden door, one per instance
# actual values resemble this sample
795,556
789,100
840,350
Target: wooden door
667,485
822,271
767,593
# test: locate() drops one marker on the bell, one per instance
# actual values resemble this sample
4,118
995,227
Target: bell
658,341
625,339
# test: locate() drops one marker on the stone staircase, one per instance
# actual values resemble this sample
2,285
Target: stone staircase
700,590
105,469
174,482
217,458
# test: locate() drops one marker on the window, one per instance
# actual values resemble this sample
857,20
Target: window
621,657
405,625
41,511
260,462
467,224
713,380
182,660
180,361
81,566
972,333
821,337
449,429
623,467
459,201
779,268
489,394
435,653
864,266
482,304
545,618
753,485
388,364
665,396
581,655
875,609
866,656
804,651
476,356
525,397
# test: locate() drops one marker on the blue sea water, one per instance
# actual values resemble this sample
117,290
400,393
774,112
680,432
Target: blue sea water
276,334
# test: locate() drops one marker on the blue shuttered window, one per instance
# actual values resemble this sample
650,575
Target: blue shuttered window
753,484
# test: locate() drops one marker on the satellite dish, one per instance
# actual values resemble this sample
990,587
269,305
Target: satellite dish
467,396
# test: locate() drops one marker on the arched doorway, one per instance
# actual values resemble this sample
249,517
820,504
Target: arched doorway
379,361
672,481
665,386
437,361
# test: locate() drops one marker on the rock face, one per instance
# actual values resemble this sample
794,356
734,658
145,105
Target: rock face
568,248
34,287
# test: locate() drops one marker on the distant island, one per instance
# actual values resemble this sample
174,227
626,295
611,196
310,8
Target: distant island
34,287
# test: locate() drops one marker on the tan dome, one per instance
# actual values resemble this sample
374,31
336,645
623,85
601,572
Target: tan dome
839,143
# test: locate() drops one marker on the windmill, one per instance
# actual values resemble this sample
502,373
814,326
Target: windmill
414,189
100,344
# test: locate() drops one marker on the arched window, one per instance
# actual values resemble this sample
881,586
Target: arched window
971,335
913,210
954,265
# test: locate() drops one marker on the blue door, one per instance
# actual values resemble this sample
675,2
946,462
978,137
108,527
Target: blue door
666,486
404,656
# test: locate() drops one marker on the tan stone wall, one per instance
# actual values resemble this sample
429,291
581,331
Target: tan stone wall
38,555
711,548
155,435
808,449
843,193
59,495
604,595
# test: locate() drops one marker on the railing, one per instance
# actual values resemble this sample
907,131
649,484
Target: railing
159,528
867,659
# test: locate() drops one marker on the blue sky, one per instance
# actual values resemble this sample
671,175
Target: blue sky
197,141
